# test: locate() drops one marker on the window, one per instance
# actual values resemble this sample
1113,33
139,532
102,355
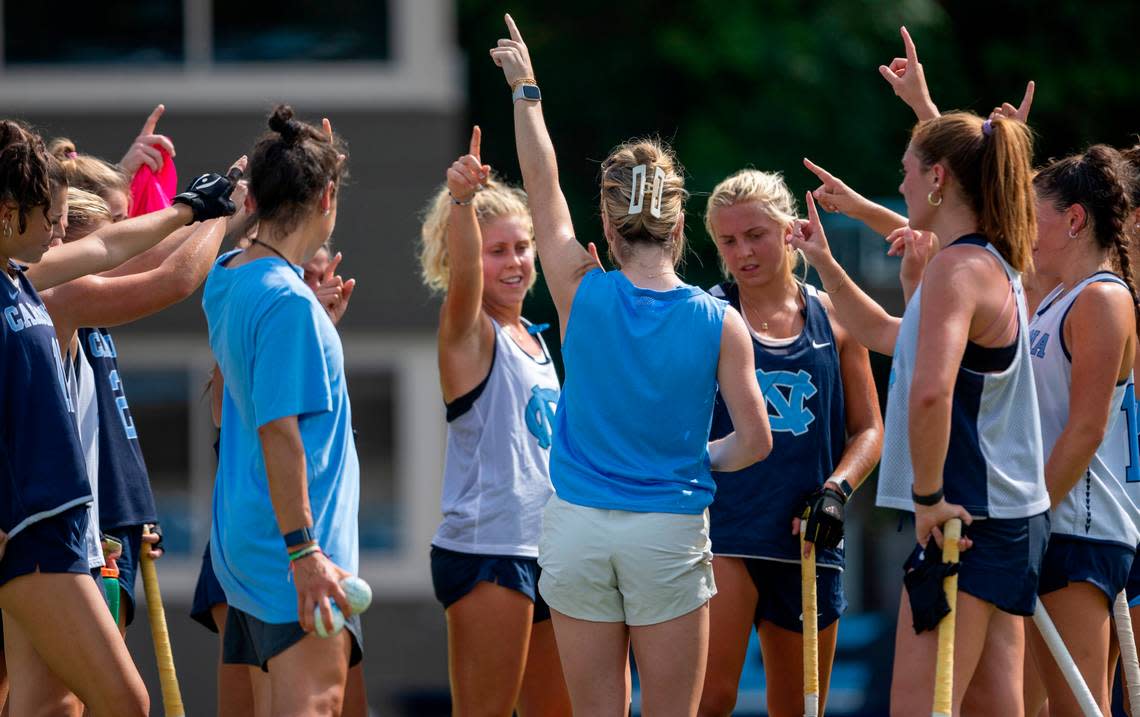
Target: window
300,30
108,32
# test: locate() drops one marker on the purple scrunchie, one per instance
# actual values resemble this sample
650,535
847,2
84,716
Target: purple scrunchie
987,128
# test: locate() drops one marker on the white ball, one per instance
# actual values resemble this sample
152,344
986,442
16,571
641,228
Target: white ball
337,620
358,592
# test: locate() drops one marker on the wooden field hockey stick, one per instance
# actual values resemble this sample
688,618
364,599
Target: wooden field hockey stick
1129,663
167,677
944,667
1064,661
811,629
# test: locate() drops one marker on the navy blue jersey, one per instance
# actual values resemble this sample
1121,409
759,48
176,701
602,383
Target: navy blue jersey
751,514
42,470
125,497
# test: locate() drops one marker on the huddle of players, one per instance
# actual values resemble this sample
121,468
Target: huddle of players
581,519
70,465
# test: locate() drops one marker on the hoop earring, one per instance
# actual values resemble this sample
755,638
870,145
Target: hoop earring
930,199
7,230
1072,233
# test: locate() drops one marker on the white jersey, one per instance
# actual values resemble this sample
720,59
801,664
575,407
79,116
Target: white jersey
79,380
1103,504
994,466
496,477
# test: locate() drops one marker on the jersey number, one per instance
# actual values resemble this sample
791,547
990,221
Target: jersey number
121,402
1132,470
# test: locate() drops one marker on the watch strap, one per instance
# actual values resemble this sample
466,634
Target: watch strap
297,537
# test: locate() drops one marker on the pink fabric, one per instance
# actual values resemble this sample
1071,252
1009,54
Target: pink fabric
151,192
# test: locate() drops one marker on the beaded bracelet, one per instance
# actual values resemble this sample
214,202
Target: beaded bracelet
461,202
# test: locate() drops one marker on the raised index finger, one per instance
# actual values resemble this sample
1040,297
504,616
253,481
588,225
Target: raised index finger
152,120
1027,101
823,174
330,270
513,29
911,53
476,138
813,213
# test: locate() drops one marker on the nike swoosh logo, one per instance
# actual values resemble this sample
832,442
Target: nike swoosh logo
824,345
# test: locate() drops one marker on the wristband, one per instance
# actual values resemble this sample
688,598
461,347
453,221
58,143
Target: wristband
461,202
297,537
307,550
522,81
927,500
842,485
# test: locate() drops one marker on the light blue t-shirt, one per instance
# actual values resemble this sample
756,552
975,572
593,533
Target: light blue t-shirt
280,356
632,425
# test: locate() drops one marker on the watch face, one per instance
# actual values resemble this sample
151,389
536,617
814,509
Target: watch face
530,92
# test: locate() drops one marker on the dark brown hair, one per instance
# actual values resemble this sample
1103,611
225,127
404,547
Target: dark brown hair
290,166
1100,180
28,174
992,165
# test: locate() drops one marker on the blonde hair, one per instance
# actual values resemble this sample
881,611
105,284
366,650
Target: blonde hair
496,200
617,191
770,191
86,172
85,210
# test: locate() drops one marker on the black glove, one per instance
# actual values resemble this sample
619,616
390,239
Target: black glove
823,515
924,588
209,197
156,529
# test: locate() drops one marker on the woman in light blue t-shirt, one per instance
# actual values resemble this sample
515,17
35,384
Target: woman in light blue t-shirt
625,551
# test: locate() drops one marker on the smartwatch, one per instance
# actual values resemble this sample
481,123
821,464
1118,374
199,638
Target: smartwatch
842,484
297,537
530,93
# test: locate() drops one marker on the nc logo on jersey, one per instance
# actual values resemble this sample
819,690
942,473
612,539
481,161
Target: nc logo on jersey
1037,343
786,392
540,414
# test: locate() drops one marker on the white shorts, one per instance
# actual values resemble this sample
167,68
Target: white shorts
621,566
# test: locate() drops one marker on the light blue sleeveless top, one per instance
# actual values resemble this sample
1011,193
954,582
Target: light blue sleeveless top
632,425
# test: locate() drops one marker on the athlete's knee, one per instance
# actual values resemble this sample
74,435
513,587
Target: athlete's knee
718,699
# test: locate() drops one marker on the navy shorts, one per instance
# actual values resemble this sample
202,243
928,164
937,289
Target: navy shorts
249,641
778,586
454,574
1133,584
128,563
1004,565
1073,560
53,545
207,593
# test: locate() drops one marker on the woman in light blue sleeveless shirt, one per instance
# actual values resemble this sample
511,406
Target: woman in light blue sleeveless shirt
962,408
625,550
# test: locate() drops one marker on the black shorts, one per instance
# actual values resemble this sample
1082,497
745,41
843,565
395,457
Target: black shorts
455,574
1072,560
779,589
249,641
1004,565
207,593
128,563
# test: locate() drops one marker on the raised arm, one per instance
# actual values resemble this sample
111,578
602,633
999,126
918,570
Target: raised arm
208,197
97,300
868,322
907,78
463,304
835,196
564,261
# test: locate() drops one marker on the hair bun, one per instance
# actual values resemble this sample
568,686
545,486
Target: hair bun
282,122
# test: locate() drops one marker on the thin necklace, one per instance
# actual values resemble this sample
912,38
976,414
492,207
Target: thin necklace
257,241
744,311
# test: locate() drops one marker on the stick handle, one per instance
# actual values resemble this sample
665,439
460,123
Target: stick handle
811,630
1130,664
168,678
1064,661
944,670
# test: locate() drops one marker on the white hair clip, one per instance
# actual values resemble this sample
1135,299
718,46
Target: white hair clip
637,190
658,192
